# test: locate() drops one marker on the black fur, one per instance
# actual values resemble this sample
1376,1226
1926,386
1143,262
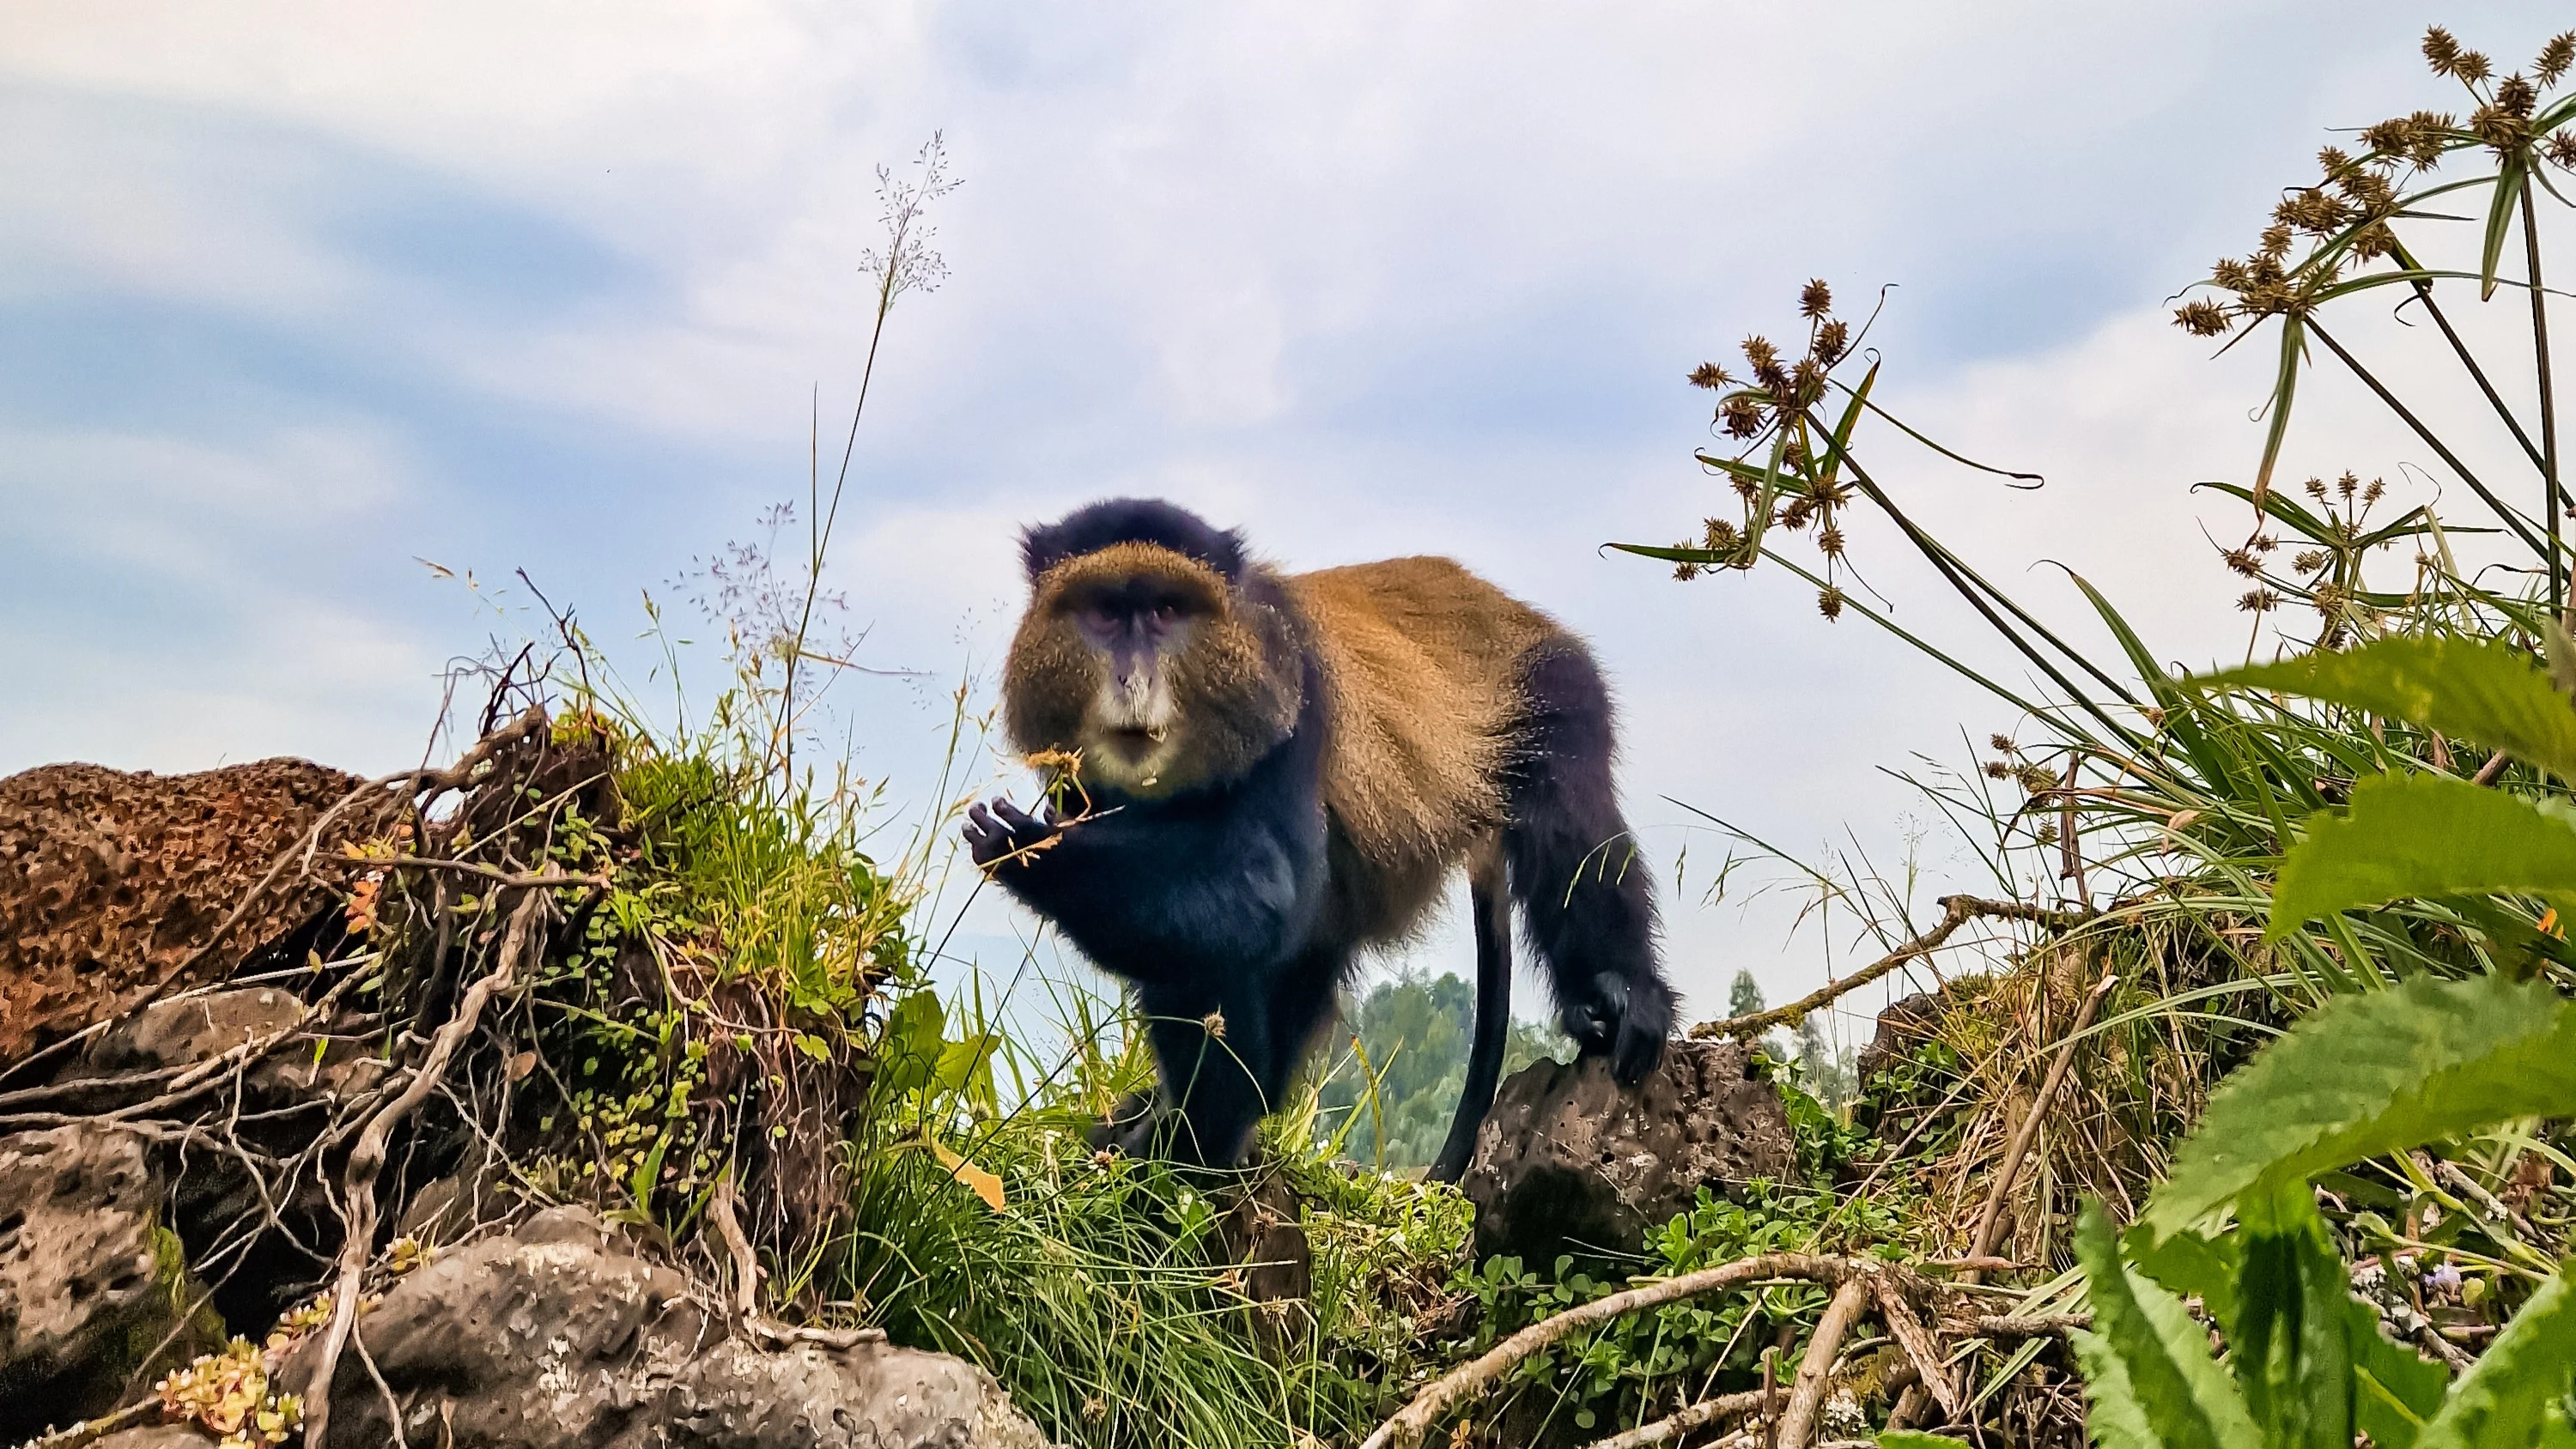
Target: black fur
1132,520
1211,902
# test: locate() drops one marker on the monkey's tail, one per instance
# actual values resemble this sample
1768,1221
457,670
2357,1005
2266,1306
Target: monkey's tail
1492,907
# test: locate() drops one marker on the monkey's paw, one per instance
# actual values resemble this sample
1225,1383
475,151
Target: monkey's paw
1006,832
1626,1025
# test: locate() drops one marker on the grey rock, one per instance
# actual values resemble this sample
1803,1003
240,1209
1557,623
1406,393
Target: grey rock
1570,1162
89,1308
555,1337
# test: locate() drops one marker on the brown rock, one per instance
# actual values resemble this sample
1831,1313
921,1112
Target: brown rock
110,882
90,1289
554,1338
1569,1162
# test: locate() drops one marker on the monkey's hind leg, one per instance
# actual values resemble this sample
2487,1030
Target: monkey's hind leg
1493,912
1584,893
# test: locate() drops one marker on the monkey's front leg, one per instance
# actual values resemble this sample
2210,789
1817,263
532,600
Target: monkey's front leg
1214,1051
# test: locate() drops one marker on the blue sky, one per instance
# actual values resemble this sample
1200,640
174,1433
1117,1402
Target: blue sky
293,295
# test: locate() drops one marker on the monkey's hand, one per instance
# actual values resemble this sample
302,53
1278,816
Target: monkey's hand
1006,832
1624,1025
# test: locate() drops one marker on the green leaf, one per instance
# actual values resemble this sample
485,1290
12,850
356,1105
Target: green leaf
2285,387
2518,1388
2425,836
2395,1389
2287,1344
1908,1439
2509,181
2192,1265
2369,1073
2147,1370
2489,694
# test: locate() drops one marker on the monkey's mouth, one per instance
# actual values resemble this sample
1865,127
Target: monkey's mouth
1133,745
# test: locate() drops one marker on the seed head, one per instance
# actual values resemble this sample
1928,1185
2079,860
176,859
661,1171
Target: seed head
2275,245
2243,561
2315,488
1831,339
1213,1024
2002,744
1815,300
2499,127
2310,561
1793,455
2377,490
2263,543
1709,375
1807,382
2034,778
2201,318
1829,541
1742,416
2517,95
1685,572
2440,50
1829,602
2555,57
2258,601
2348,485
2473,66
1761,354
1719,535
1998,770
2561,148
1745,488
1795,515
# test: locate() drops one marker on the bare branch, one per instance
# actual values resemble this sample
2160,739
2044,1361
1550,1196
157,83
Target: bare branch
1807,1392
1956,911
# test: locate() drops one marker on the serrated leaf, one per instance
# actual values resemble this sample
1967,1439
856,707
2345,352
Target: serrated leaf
2148,1375
2425,836
2370,1073
2286,1345
2518,1387
2489,694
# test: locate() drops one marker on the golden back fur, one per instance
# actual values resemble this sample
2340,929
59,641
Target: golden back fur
1422,661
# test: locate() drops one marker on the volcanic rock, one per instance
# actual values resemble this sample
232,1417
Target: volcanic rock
1570,1162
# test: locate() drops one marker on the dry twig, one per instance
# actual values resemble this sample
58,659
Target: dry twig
1446,1392
1956,911
367,1161
1672,1427
1990,1220
1807,1391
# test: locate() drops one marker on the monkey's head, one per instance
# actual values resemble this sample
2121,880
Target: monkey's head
1153,646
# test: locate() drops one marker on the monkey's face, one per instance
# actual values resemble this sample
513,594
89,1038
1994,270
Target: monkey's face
1143,660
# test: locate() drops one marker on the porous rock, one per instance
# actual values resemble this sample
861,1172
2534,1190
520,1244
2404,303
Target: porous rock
111,881
555,1337
91,1306
1568,1161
